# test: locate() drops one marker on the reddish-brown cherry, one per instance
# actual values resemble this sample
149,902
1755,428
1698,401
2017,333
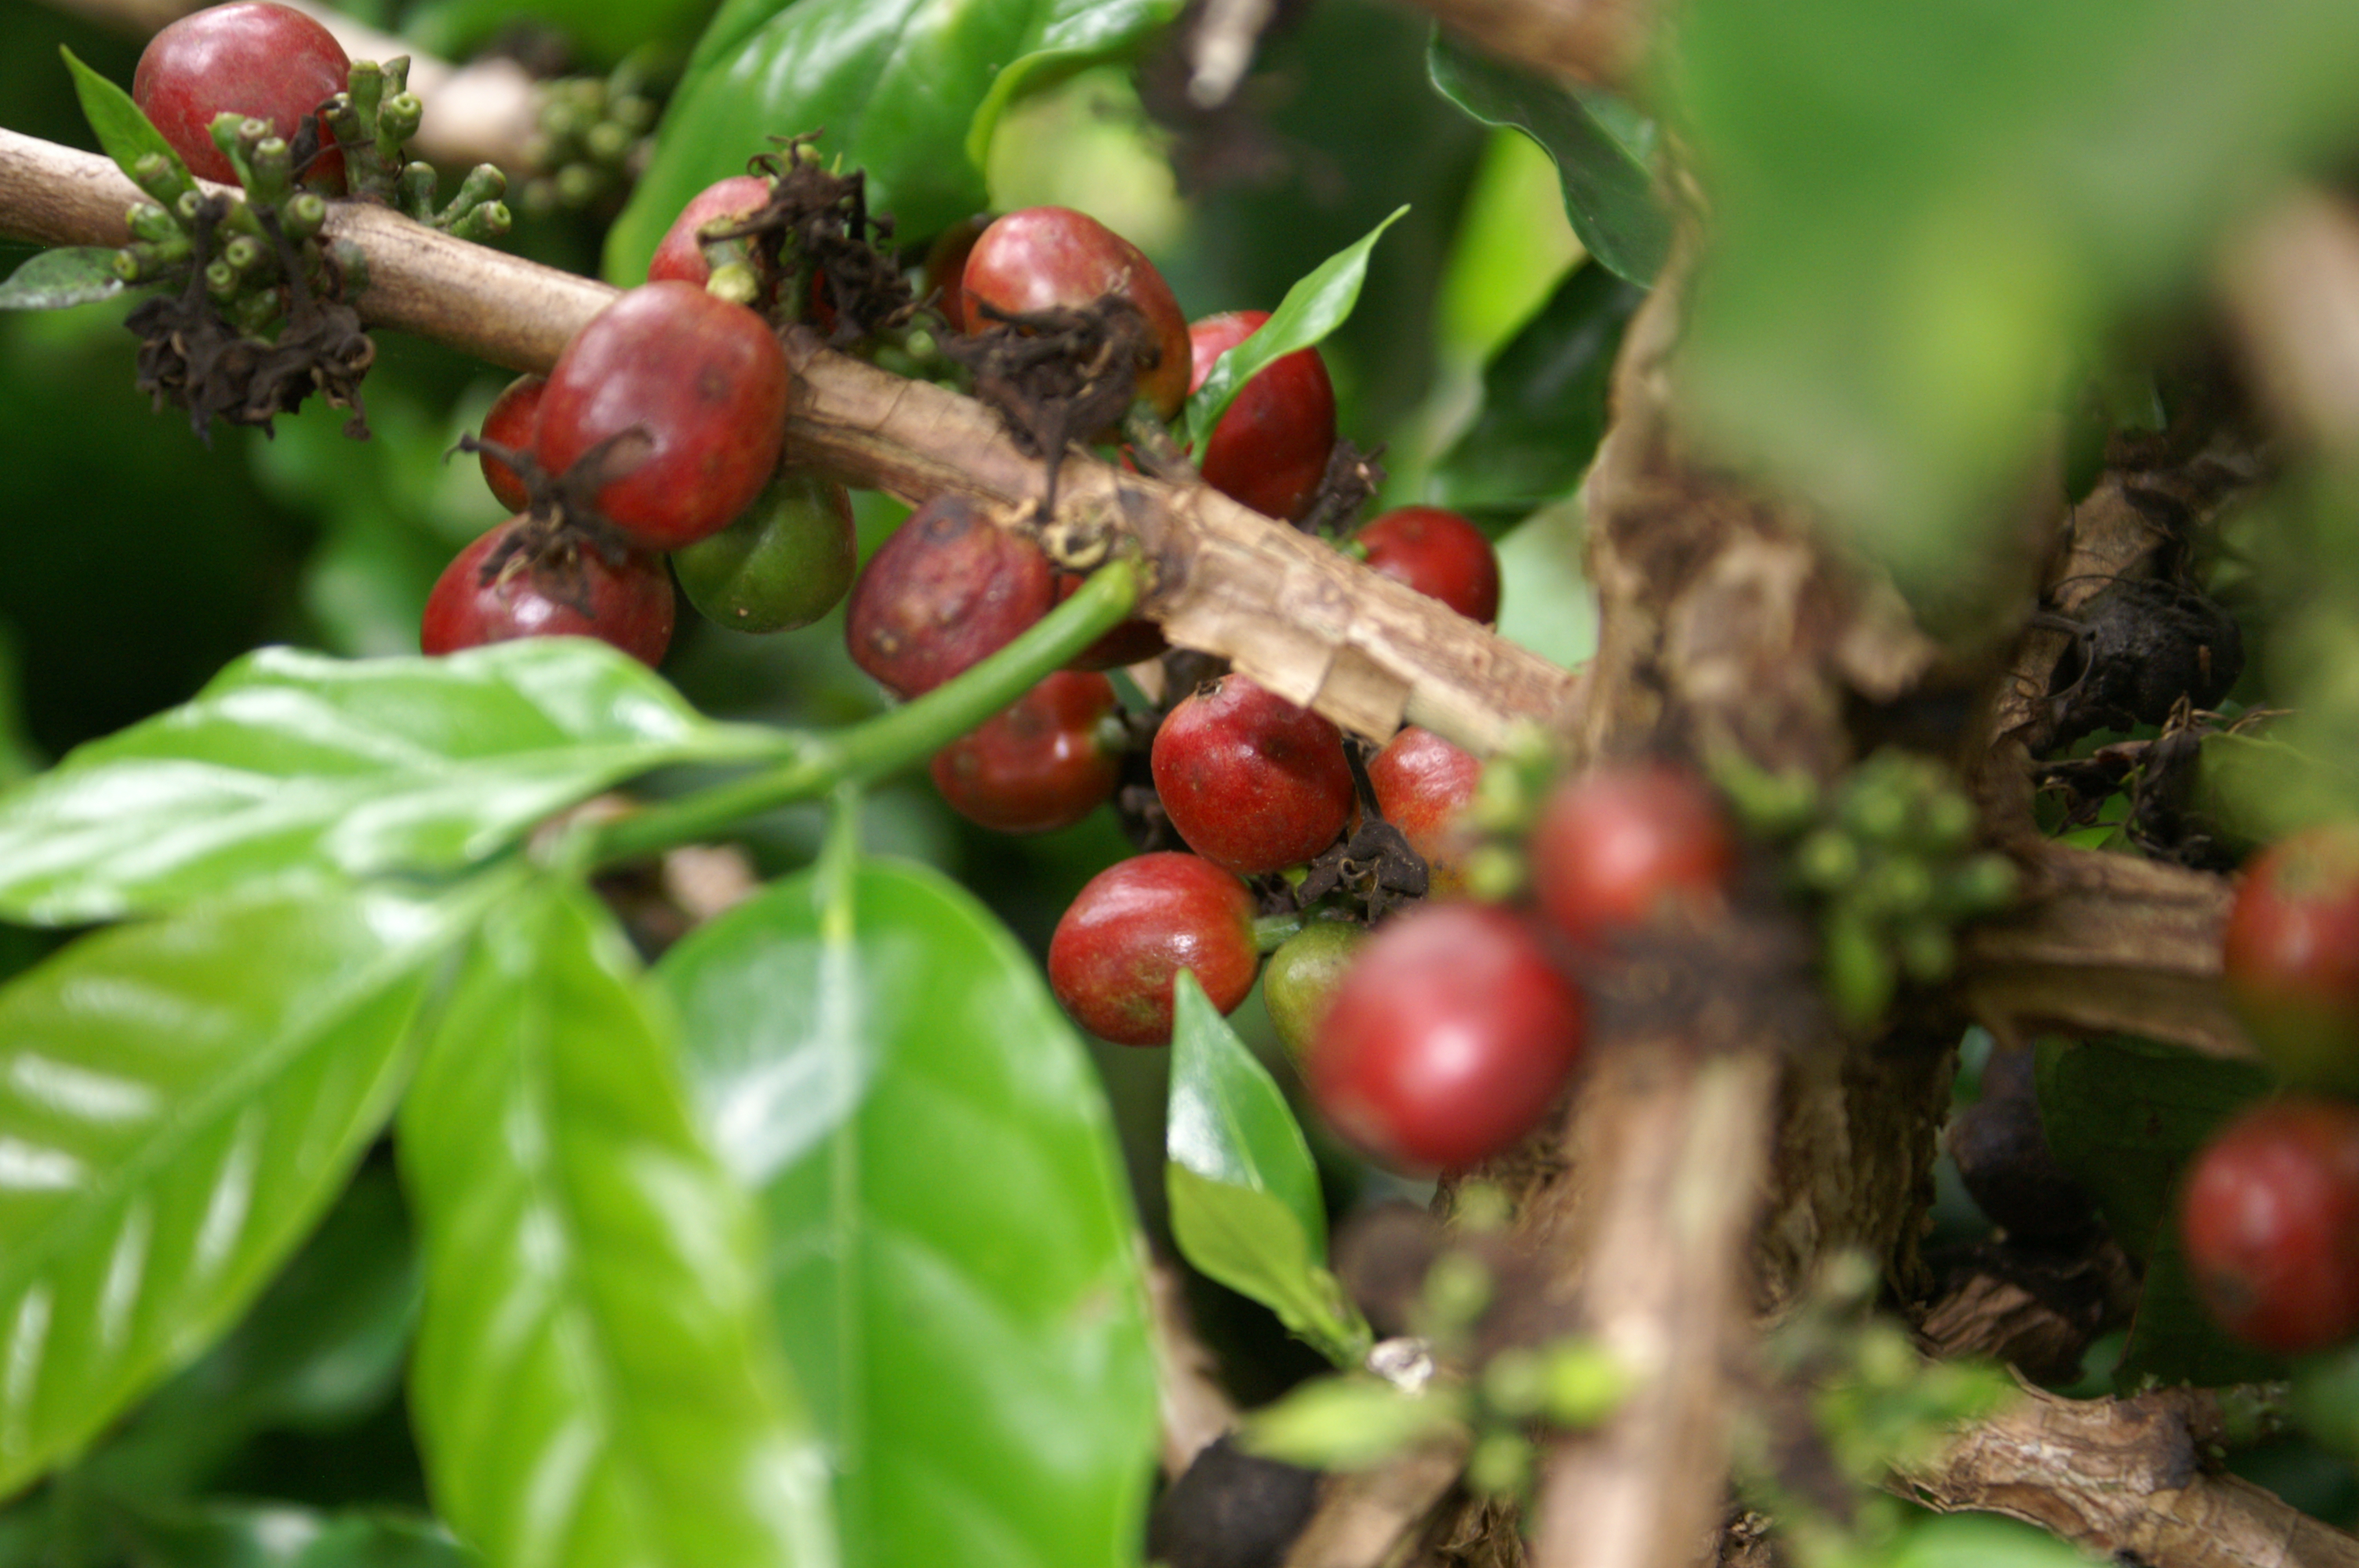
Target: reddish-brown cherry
1250,781
1134,927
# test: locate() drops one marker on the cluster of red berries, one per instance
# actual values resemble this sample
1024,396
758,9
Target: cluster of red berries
2269,1214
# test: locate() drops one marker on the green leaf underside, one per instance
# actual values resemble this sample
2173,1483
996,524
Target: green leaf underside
1227,1121
1543,404
894,83
123,132
291,765
1246,1239
593,1384
178,1101
1317,305
1601,148
71,274
954,1262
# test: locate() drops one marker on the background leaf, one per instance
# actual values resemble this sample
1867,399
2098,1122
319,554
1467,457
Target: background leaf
245,1535
1602,148
1311,308
2125,1116
71,274
1924,215
957,1265
1543,405
123,132
594,1382
895,83
290,765
178,1101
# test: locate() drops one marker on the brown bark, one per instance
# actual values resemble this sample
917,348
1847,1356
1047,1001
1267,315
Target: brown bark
2124,1479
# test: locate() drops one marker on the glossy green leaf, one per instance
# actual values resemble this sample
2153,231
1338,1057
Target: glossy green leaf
1313,307
290,765
1908,258
123,132
1248,1241
71,274
595,1382
894,84
1228,1122
2172,1339
1604,152
323,1347
955,1263
178,1101
1543,405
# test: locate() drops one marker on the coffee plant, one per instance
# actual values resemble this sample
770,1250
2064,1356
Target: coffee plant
1125,783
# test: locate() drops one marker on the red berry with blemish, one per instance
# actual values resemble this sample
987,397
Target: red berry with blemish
1620,846
2290,956
548,587
1134,927
1046,257
950,588
1250,781
1423,786
512,422
689,390
679,255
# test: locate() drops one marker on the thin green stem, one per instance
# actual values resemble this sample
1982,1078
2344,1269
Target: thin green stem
889,741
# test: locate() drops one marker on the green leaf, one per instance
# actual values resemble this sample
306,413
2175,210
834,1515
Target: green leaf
895,83
1313,307
124,133
1244,1193
2172,1339
1604,152
956,1260
593,1384
178,1101
71,274
290,766
2123,1115
1227,1121
1543,405
1908,258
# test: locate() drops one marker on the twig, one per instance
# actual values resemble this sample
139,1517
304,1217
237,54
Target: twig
2124,1479
1677,1151
2292,291
1315,627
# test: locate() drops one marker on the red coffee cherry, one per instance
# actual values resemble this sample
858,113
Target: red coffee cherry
703,382
679,255
562,588
1270,450
1615,847
1447,1041
1044,257
2269,1220
786,561
1250,781
946,592
263,61
1423,786
1131,931
1438,553
512,421
2291,954
1039,765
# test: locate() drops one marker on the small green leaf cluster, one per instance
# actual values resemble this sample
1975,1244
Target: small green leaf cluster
372,119
589,134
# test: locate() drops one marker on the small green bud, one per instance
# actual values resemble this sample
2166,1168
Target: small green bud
163,177
303,215
1949,822
1584,1384
1896,885
483,223
1928,952
607,142
1827,860
1983,885
150,223
1859,974
415,187
578,185
221,280
398,117
1516,1383
245,254
1458,1288
1501,1464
